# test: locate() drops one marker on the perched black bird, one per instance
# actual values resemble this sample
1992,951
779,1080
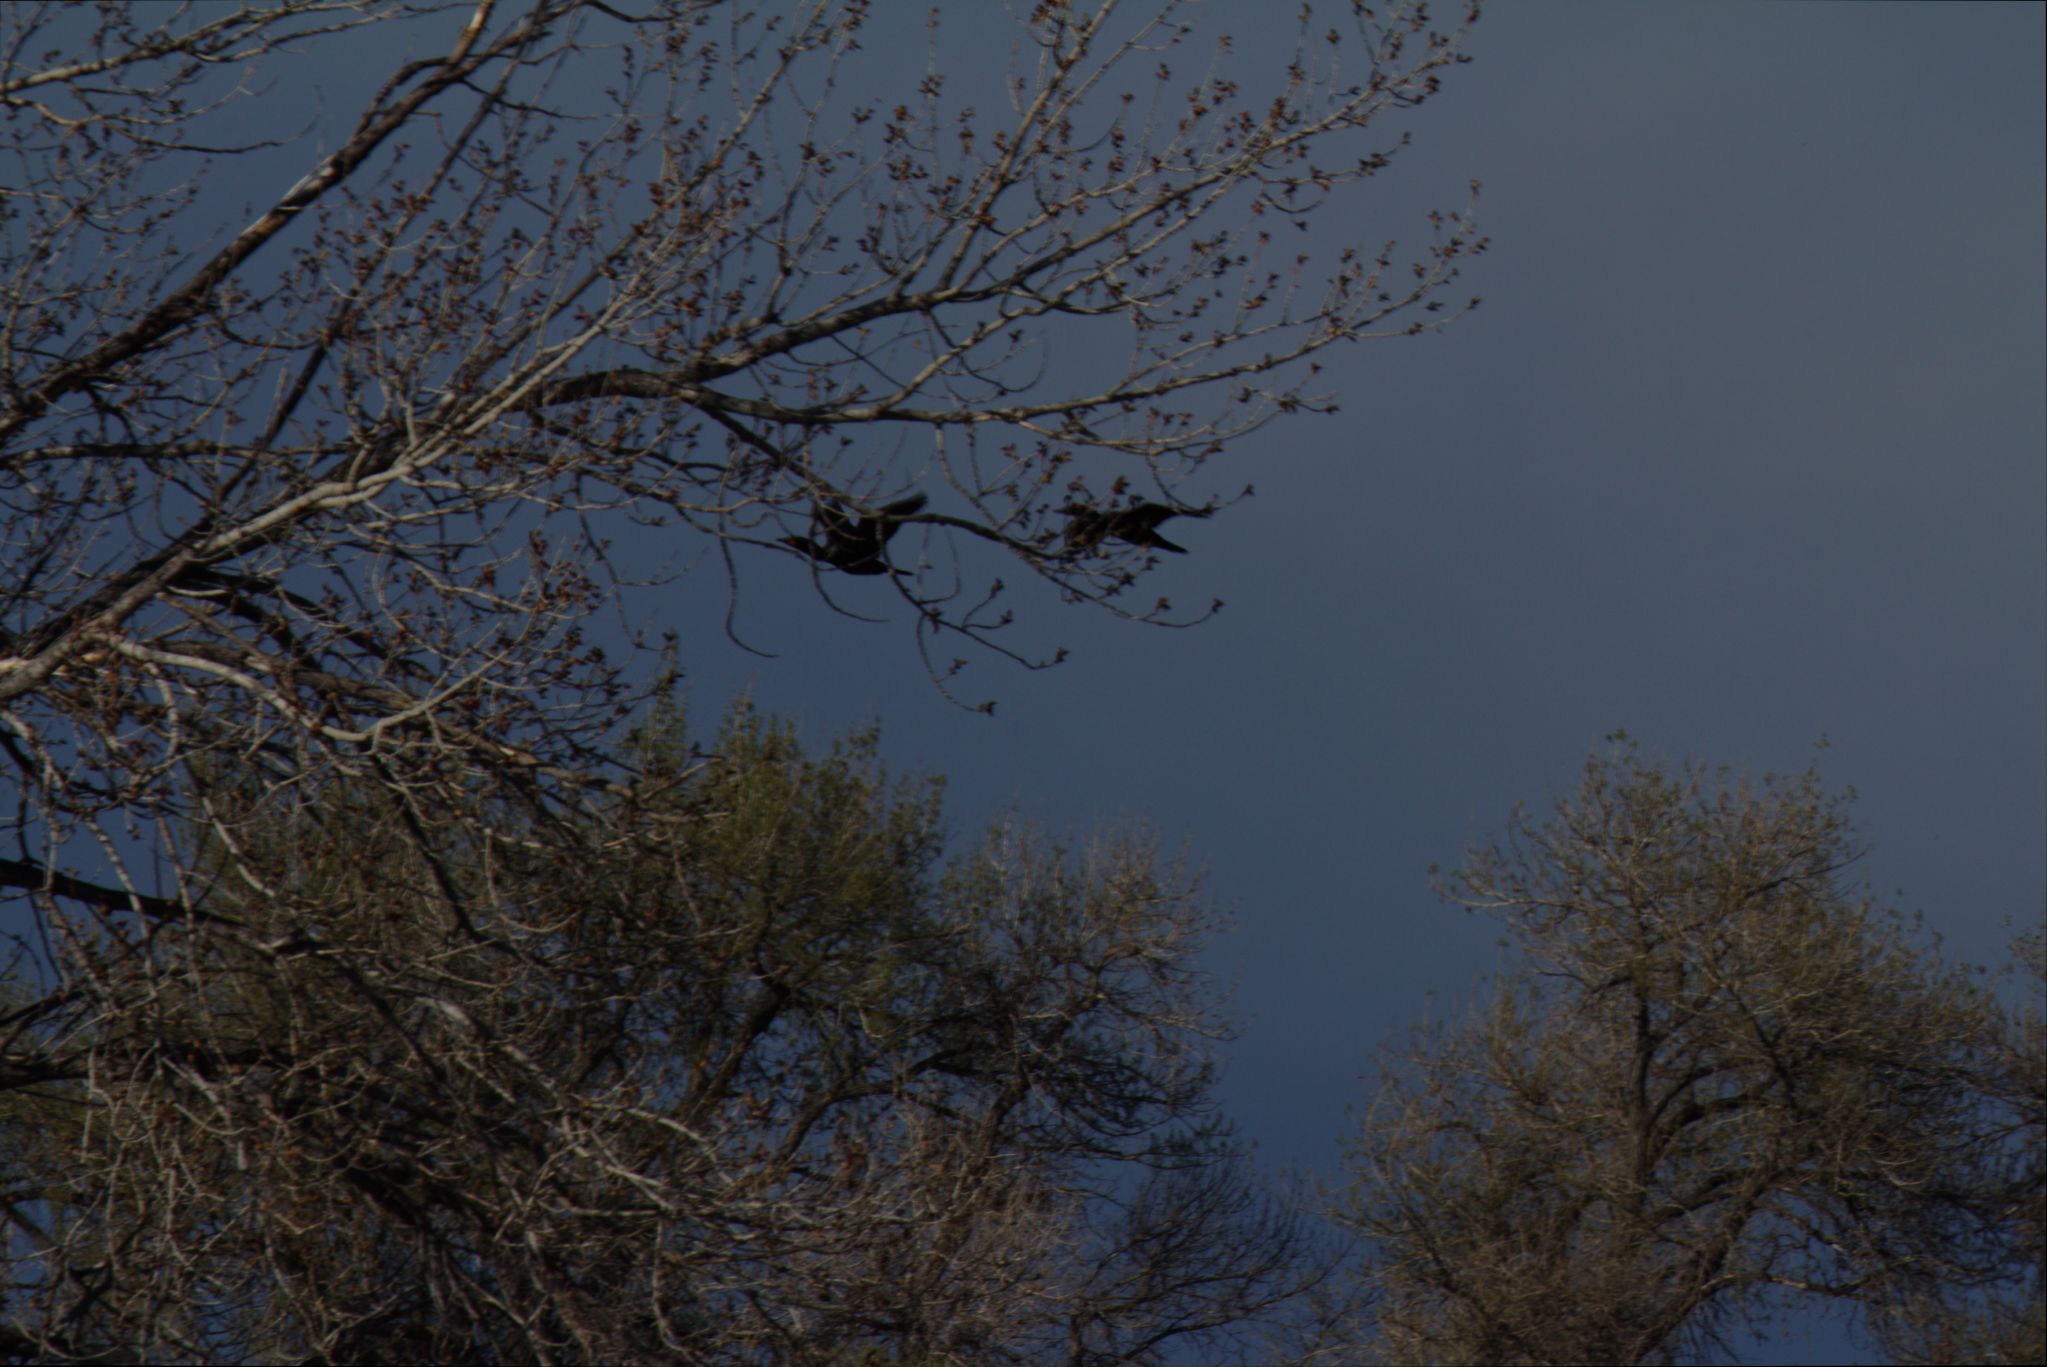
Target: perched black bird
854,544
1138,525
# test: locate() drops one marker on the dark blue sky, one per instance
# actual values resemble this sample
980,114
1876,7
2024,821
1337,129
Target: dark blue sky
1746,447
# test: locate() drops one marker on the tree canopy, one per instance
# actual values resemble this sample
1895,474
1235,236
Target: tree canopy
741,1071
1716,1081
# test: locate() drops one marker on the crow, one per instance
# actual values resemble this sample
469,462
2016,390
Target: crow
1138,525
855,544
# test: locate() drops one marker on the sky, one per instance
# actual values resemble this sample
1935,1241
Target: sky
1746,449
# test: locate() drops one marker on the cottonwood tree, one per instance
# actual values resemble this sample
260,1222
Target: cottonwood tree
326,424
739,1072
1716,1082
351,472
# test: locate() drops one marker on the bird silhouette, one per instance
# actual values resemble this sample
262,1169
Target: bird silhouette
854,543
1138,525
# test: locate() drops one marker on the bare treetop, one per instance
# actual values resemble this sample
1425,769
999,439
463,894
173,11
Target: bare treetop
331,473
